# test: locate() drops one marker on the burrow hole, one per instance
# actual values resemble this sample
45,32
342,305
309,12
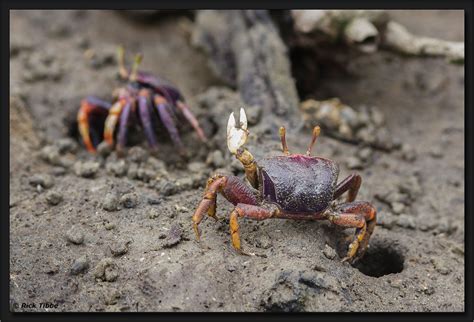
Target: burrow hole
380,260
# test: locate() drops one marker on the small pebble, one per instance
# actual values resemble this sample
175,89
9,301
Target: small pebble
230,267
58,171
66,145
145,174
411,187
174,236
129,200
86,169
54,197
44,180
408,152
111,296
153,213
397,283
106,270
263,241
398,207
216,159
377,117
185,183
168,188
329,252
156,164
428,290
436,152
109,226
196,167
353,162
137,154
387,220
365,153
406,221
117,167
132,171
153,200
80,265
119,248
441,266
75,235
53,266
104,149
110,202
50,154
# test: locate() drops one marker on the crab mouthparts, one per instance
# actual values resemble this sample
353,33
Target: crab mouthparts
237,136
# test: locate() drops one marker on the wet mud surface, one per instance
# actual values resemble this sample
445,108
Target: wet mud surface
103,233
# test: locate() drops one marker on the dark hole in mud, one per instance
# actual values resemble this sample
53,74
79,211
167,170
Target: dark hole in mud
368,41
379,261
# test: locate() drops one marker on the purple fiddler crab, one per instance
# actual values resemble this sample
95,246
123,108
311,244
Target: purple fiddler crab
290,186
145,99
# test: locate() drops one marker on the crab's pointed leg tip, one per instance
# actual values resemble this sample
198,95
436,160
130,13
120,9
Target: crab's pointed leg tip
243,119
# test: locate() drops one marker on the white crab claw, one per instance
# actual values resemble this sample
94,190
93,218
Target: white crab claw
243,119
236,136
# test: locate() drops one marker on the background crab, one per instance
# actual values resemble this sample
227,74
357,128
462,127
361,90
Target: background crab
292,186
145,99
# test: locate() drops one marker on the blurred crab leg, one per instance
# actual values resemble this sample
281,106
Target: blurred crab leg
316,132
144,106
166,93
111,120
88,106
123,127
192,120
162,107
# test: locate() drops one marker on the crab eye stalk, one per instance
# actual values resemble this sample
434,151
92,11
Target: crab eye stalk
284,146
316,132
136,63
121,62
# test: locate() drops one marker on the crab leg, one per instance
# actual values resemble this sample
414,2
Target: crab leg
89,106
207,205
162,107
123,127
231,187
111,120
191,119
352,184
249,211
144,106
361,215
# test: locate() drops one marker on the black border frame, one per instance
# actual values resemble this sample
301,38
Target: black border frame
7,5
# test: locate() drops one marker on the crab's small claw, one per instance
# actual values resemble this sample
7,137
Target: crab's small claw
237,136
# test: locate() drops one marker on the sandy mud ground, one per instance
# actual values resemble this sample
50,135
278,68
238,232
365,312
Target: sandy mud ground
100,233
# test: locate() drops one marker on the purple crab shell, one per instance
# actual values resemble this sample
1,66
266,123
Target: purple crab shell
298,183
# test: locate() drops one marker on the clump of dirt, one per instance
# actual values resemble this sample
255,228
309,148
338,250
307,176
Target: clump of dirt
110,233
